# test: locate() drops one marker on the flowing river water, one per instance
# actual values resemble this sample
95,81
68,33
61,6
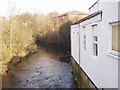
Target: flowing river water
43,69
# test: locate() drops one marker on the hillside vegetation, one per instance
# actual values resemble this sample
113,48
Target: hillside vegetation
20,35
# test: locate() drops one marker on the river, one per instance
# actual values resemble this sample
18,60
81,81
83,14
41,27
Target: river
43,69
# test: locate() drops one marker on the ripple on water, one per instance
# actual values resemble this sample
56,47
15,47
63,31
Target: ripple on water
42,70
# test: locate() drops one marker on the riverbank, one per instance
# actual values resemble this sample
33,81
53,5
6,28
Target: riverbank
65,44
15,60
10,64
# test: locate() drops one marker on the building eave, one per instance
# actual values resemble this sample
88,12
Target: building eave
88,17
94,4
114,22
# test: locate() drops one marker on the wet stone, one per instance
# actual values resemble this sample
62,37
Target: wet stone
19,81
27,80
24,85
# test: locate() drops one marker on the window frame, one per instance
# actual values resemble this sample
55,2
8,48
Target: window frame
95,43
112,52
84,42
84,39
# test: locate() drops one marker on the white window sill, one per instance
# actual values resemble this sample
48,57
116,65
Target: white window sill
114,55
94,56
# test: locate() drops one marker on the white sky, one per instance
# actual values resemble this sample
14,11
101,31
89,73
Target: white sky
45,6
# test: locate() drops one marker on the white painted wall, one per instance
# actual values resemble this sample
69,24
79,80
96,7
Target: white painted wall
95,8
75,42
101,69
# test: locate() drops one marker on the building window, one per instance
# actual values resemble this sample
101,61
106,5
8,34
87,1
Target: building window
115,38
95,46
95,38
84,27
84,42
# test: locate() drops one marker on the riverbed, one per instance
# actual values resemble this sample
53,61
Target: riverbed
43,69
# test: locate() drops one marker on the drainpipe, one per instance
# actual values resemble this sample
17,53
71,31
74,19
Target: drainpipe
79,56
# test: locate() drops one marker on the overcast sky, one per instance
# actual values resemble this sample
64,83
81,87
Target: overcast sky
44,6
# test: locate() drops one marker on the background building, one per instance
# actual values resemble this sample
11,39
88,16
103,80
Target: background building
73,16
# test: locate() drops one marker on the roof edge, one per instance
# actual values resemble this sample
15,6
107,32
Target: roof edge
94,4
88,17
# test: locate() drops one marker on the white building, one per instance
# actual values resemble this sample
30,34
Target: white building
94,44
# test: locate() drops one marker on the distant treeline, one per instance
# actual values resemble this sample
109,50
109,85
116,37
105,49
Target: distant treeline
59,37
